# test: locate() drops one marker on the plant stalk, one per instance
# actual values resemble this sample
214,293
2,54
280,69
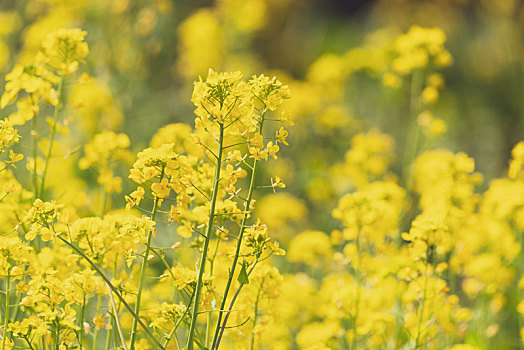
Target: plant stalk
95,337
421,317
51,136
205,249
82,311
143,272
6,316
255,316
357,291
35,154
117,322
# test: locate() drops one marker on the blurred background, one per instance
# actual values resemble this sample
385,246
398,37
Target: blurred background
373,84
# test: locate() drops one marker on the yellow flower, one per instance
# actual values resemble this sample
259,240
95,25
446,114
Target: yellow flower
13,158
390,79
430,95
310,247
277,183
63,50
282,135
99,321
161,189
272,149
184,230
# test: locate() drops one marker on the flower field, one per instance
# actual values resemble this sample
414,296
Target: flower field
261,174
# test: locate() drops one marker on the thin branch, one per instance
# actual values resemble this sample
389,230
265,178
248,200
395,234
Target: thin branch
199,190
240,212
236,144
199,286
226,233
209,150
200,233
115,315
229,112
240,325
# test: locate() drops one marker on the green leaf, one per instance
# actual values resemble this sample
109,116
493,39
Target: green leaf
242,276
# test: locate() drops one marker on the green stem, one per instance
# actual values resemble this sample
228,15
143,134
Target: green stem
57,335
108,337
113,324
81,335
420,320
95,337
117,322
411,146
239,243
104,204
28,343
357,291
211,269
143,271
209,229
6,316
208,329
212,260
255,316
51,136
520,265
35,154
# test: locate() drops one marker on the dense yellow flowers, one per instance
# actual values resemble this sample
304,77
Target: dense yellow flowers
63,50
384,250
9,135
415,49
229,111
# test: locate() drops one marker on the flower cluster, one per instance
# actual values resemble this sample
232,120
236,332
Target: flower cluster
396,245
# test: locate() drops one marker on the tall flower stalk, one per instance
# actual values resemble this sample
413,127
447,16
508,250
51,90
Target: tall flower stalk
207,239
51,136
143,269
6,315
236,112
243,226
